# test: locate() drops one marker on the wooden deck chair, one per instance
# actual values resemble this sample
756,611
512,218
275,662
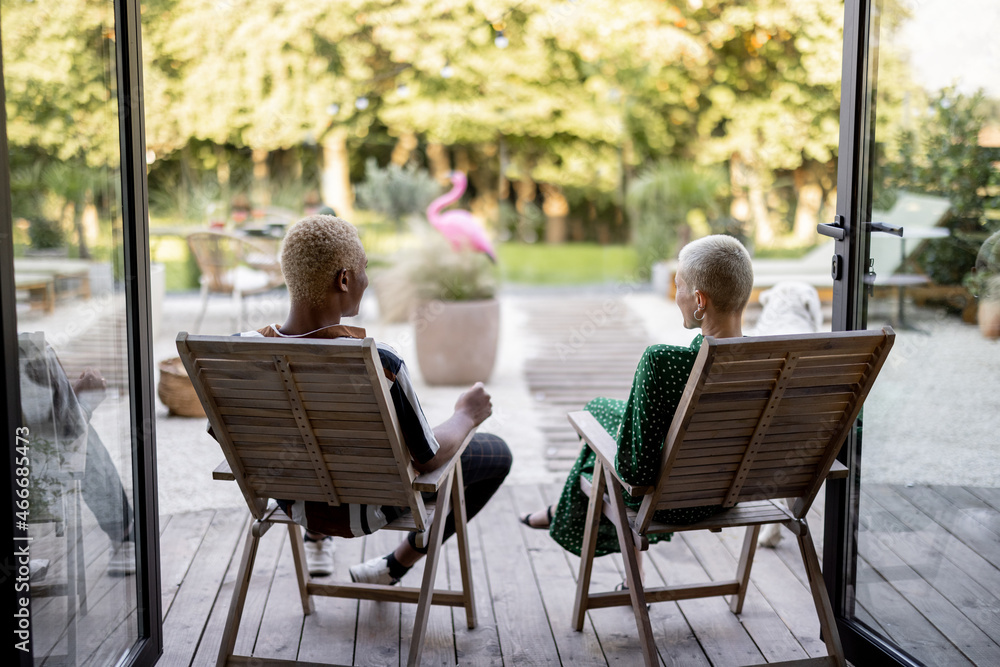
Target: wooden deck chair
313,420
760,420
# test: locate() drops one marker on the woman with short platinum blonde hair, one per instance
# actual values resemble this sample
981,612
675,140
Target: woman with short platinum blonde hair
714,280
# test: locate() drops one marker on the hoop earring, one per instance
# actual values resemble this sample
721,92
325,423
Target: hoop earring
696,314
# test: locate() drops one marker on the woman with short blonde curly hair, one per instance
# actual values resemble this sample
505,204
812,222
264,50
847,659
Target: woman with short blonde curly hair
324,266
314,251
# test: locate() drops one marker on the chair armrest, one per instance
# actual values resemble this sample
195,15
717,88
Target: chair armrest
837,471
603,445
224,472
430,482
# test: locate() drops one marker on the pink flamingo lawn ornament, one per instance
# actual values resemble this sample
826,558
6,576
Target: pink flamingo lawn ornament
459,226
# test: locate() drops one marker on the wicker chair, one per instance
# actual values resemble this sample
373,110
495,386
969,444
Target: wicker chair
233,265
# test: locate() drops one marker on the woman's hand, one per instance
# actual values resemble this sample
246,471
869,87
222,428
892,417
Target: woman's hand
475,404
89,380
471,409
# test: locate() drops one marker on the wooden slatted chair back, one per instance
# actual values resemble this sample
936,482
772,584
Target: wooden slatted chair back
303,419
763,418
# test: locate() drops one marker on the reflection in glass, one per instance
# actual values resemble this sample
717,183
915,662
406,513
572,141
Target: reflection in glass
62,125
929,533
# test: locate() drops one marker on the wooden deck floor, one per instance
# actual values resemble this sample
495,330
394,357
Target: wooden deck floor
929,574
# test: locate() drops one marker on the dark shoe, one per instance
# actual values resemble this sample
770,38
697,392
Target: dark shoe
526,519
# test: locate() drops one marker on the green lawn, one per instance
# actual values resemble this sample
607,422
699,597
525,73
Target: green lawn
519,263
566,264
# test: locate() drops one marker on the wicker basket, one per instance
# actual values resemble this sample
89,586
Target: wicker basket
176,391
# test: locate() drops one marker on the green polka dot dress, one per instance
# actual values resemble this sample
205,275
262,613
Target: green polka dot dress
639,425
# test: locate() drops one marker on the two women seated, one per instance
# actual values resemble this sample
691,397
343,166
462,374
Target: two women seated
324,266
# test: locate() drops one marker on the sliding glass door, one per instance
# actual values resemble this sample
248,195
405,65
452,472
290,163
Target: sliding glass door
76,333
914,543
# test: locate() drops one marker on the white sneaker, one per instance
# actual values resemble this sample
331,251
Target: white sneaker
374,571
319,557
122,561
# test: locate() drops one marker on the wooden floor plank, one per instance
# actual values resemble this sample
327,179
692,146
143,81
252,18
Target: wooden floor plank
557,585
522,625
583,352
329,633
935,537
964,527
377,642
971,506
615,628
921,579
178,544
282,618
789,597
111,610
720,633
480,646
904,624
439,638
193,602
676,642
988,495
880,549
260,586
766,628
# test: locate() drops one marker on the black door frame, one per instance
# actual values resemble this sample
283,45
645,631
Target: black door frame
135,239
862,646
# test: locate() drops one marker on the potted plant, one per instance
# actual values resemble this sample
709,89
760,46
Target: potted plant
455,313
984,283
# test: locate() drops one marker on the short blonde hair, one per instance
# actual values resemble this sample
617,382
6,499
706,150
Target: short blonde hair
719,266
315,249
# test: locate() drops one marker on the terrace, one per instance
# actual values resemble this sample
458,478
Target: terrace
929,562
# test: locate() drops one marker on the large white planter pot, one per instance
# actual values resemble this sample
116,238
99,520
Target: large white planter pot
457,340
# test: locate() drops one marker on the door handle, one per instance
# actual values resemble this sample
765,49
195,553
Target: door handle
835,230
885,228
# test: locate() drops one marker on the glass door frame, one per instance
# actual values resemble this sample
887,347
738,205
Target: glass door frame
855,159
135,239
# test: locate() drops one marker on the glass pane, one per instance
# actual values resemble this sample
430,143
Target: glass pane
929,535
62,123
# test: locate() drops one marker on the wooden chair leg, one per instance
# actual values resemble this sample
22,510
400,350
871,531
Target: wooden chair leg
827,621
743,568
74,549
462,541
594,508
430,572
232,627
81,560
301,572
201,311
633,578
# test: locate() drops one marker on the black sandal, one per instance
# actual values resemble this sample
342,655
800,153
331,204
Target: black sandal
526,519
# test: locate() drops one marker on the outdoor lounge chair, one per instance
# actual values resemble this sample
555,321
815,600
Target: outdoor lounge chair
313,420
761,420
